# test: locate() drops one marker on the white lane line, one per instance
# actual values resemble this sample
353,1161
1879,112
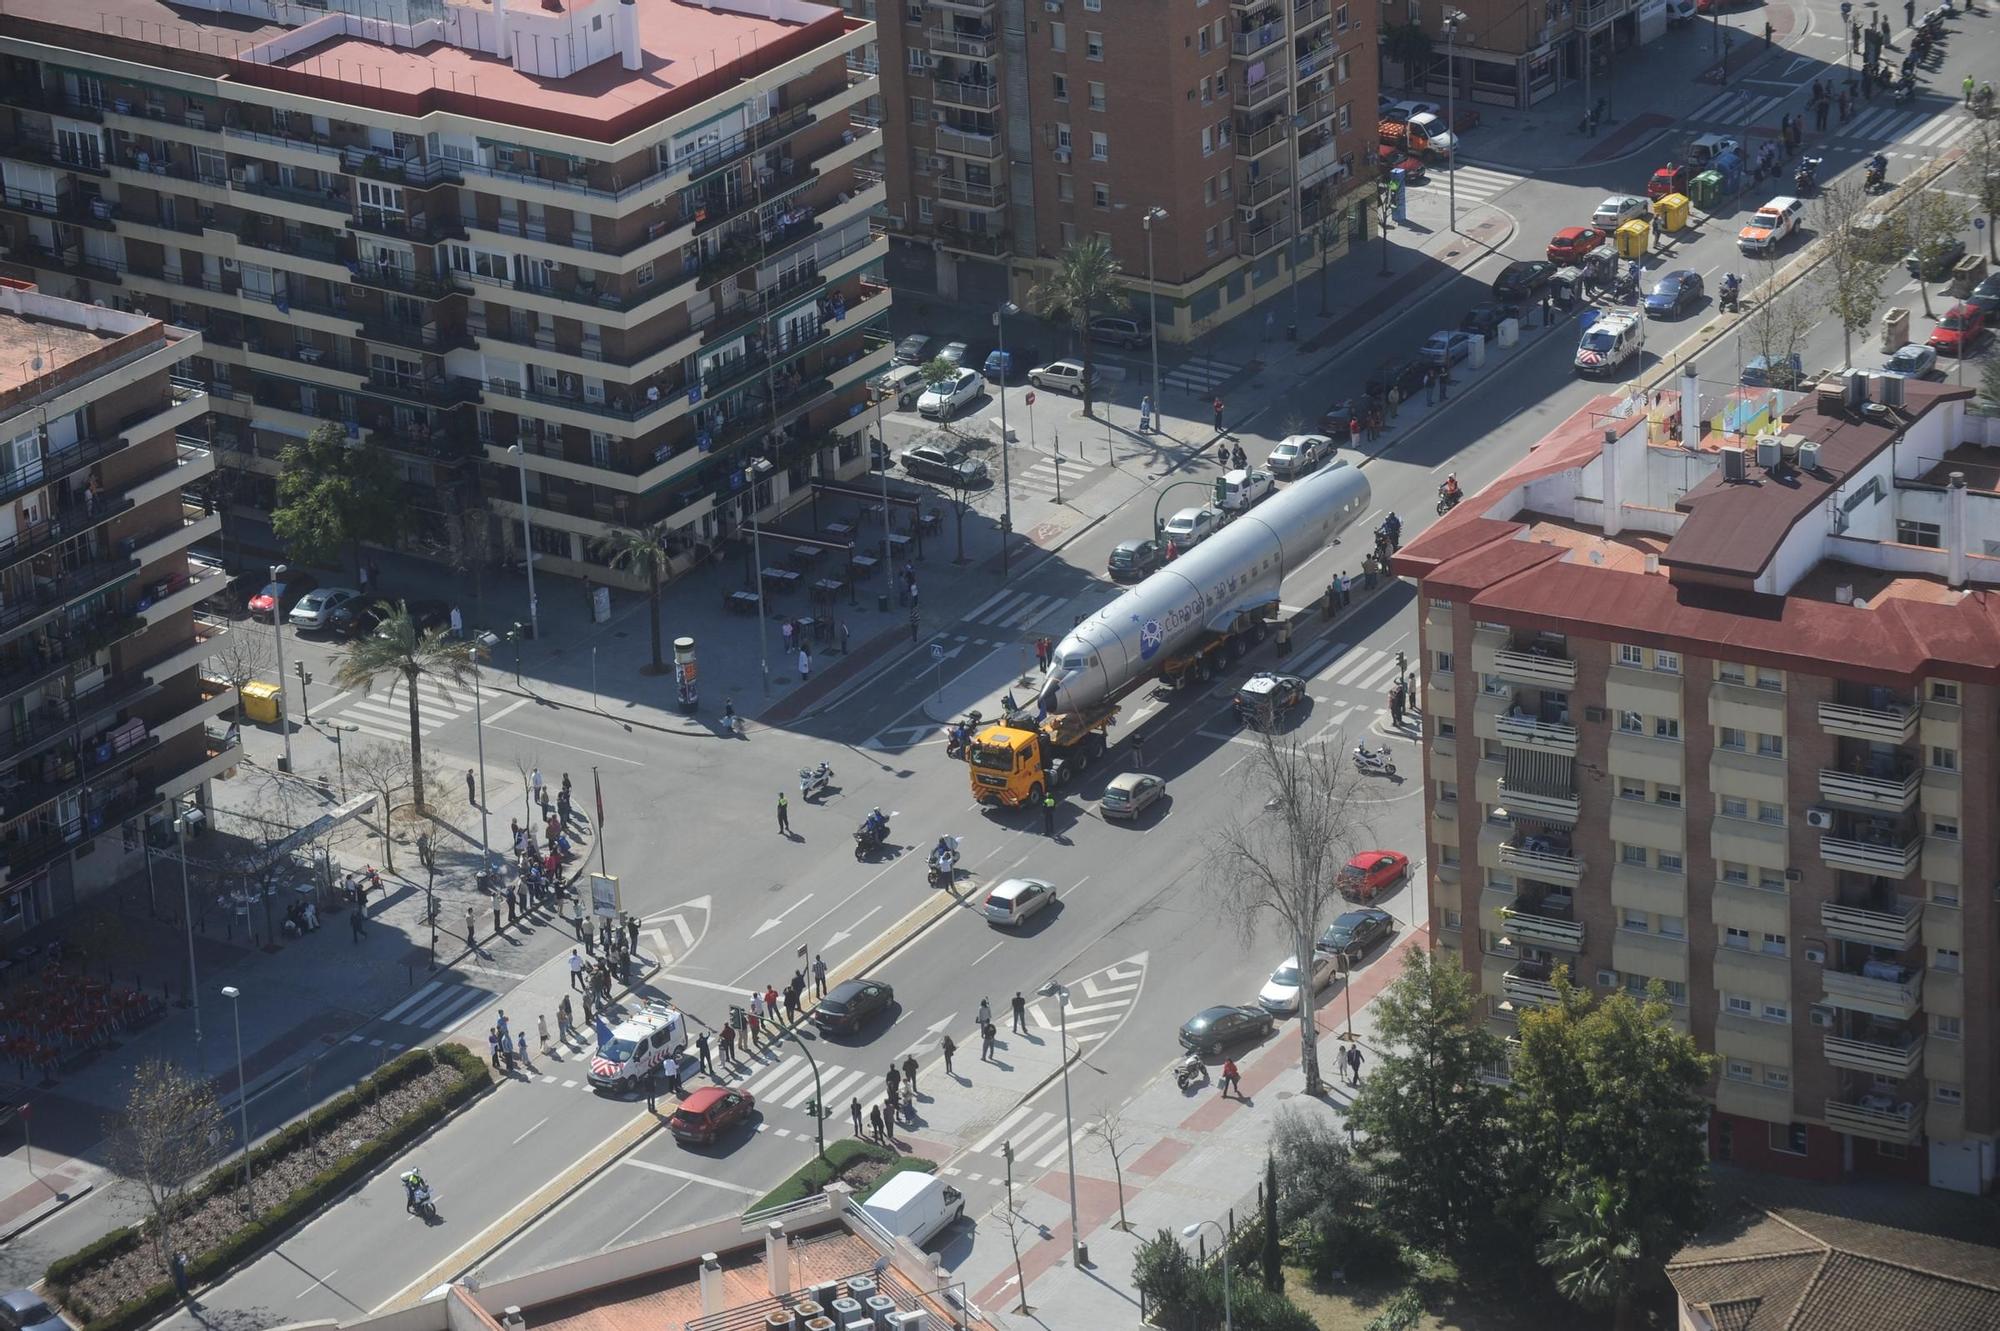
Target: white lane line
529,1133
573,748
509,710
671,1172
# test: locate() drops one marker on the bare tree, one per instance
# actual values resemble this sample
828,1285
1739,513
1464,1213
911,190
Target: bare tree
169,1130
1777,327
385,769
242,654
1851,281
1110,1133
1283,862
1936,218
1015,1225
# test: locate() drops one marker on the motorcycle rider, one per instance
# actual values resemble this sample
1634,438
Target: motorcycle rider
1732,287
416,1192
961,735
1878,169
1450,491
1238,458
1394,526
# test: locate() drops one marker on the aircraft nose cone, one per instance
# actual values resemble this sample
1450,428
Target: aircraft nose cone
1052,695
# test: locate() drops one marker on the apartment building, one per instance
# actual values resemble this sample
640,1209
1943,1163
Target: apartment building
1509,54
1728,718
108,719
617,252
1016,127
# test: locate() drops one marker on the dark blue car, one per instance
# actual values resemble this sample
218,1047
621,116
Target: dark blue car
1677,291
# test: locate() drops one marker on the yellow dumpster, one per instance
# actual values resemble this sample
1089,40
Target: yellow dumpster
1672,211
1633,239
261,701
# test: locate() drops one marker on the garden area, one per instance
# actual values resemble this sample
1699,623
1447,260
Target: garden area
862,1166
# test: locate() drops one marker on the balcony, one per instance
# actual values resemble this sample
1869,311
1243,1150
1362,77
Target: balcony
1535,664
1257,37
437,391
1545,921
957,92
1260,186
990,243
1887,724
1251,143
420,228
1541,857
971,193
977,8
1530,982
1887,1051
1881,853
964,143
1884,788
970,43
54,718
402,281
1519,800
330,201
1262,241
1524,729
68,206
1277,80
710,158
47,152
1309,12
390,331
1895,927
1878,1117
1880,988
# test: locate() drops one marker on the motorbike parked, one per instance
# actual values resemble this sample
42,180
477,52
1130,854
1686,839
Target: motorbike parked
1190,1072
1373,762
813,781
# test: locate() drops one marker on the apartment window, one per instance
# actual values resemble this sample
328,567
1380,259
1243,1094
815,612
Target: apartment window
920,60
1788,1138
1738,1004
920,111
1945,829
1947,1028
1738,939
1632,855
1629,655
1777,1012
1058,37
643,274
1208,240
1738,874
1066,188
1448,856
1093,46
1067,231
1943,692
1728,672
1778,1079
1222,133
925,208
1672,926
1943,894
1093,6
1892,1150
1096,96
1668,861
1062,137
1770,746
1452,920
1632,723
1667,662
1062,87
1729,737
1636,920
1343,118
1100,146
1207,90
1446,728
1100,194
1666,727
1208,192
1945,958
1340,18
1735,806
1944,760
1926,534
1343,68
1447,792
1668,795
1776,945
1738,1070
1222,184
913,12
1207,140
1767,812
1201,39
1771,880
1948,1093
1629,789
1440,663
1772,681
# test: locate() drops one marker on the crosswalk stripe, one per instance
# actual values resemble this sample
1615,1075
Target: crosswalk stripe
1060,1149
382,732
452,1016
1320,658
992,613
429,990
1077,1024
1376,678
1001,1129
801,1074
1037,1138
845,1086
804,1090
1034,610
763,1077
1355,663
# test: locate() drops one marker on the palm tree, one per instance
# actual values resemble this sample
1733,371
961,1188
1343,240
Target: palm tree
1084,283
397,648
1594,1249
642,550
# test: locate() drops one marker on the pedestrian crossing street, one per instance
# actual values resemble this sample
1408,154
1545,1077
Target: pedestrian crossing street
1933,129
1476,184
385,713
1200,375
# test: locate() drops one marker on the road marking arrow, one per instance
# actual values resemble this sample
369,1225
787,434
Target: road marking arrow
842,935
676,919
779,918
932,1033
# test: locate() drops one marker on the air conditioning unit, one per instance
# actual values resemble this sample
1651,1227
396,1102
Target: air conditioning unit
228,265
1794,876
237,175
1053,6
1820,818
1594,714
1816,956
1819,1015
1062,154
1607,979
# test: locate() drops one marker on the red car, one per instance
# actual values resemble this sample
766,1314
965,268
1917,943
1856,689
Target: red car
1372,873
1960,330
283,594
1573,242
1388,157
706,1113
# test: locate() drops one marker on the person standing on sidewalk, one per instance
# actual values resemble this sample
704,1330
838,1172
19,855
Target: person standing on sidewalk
784,815
819,976
985,1013
471,931
910,1073
542,1031
948,1049
1020,1008
471,789
805,665
875,1122
541,793
701,1053
986,1033
854,1111
1218,415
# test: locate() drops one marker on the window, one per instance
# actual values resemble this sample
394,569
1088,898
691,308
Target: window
1062,87
1201,39
1941,691
1629,655
1943,759
1062,136
1777,1012
913,12
1945,829
1343,68
1776,945
1630,789
1947,1028
1738,1070
1632,723
1100,194
1207,141
1067,232
1452,919
1735,806
1778,1079
1058,37
1738,1004
1100,146
1667,861
1739,939
1344,117
1633,855
1066,188
1446,727
1440,663
1729,737
1767,812
924,208
1772,681
1945,958
1093,6
1447,792
1788,1138
1672,926
1340,18
1729,672
1222,133
1926,534
643,274
1668,795
1771,880
920,60
1947,1093
1635,920
1208,240
1738,874
1208,192
1222,184
1093,46
1892,1150
920,111
1943,894
1666,727
1667,662
1096,96
1770,746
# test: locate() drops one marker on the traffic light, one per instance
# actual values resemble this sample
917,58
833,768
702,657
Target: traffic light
305,675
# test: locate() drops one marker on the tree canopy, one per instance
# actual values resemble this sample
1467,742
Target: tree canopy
333,495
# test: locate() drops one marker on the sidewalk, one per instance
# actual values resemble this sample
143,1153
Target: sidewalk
1185,1156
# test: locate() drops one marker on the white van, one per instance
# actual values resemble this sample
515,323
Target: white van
1242,488
915,1206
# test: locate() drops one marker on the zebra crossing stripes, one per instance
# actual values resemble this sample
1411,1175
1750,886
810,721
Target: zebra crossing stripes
1016,610
438,1005
1200,375
1045,475
1361,668
385,714
1475,184
1739,108
1036,1136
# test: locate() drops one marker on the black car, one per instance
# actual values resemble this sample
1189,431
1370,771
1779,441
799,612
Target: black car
1675,292
1406,373
1266,698
850,1005
1937,259
1133,560
1213,1029
1522,280
1986,296
1333,421
1485,318
1355,932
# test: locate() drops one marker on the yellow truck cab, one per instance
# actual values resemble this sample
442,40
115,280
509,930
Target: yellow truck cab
1016,761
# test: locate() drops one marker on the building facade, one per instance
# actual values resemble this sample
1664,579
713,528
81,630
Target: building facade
1016,127
1723,712
618,254
108,719
1519,55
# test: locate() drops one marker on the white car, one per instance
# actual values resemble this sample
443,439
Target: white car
641,1042
943,398
1281,993
315,609
1297,454
1914,361
1619,209
1064,376
1016,899
1191,526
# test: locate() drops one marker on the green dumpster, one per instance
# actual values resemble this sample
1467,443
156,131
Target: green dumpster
1707,190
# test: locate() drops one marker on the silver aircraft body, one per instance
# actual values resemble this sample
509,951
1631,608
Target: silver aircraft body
1239,569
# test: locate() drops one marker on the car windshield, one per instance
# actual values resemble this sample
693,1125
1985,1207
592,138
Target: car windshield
1907,360
618,1048
1599,340
992,757
1199,1022
1123,557
1338,933
1286,974
1953,320
1285,451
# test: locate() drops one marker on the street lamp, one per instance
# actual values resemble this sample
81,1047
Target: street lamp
232,993
278,571
1078,1253
1452,18
479,737
527,544
1007,307
1152,215
1228,1315
187,910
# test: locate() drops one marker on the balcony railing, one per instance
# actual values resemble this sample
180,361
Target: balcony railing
1277,80
1888,725
1256,142
1547,863
967,144
1883,855
1878,1118
1896,993
98,211
1308,12
1266,239
1260,186
1887,792
388,277
1259,38
1895,928
982,195
1540,804
1894,1055
1531,732
1544,923
1529,983
34,148
956,92
973,45
1540,667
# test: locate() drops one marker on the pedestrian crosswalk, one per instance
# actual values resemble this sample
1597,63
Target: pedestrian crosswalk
385,713
1906,128
1360,668
1929,128
1200,375
436,1007
1476,184
1034,1135
1048,473
1739,108
1020,611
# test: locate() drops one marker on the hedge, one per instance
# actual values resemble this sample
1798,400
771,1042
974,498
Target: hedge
813,1176
242,1244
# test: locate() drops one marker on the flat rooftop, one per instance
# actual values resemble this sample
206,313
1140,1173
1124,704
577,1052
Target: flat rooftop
26,340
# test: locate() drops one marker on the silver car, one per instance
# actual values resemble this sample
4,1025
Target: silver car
1013,901
315,609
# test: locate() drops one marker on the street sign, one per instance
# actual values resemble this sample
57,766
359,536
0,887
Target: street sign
937,651
1031,398
1978,224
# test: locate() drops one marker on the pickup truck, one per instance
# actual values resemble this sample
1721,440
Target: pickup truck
1774,222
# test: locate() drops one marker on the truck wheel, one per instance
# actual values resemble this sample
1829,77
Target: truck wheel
1035,795
1259,631
1093,748
1206,671
1236,649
